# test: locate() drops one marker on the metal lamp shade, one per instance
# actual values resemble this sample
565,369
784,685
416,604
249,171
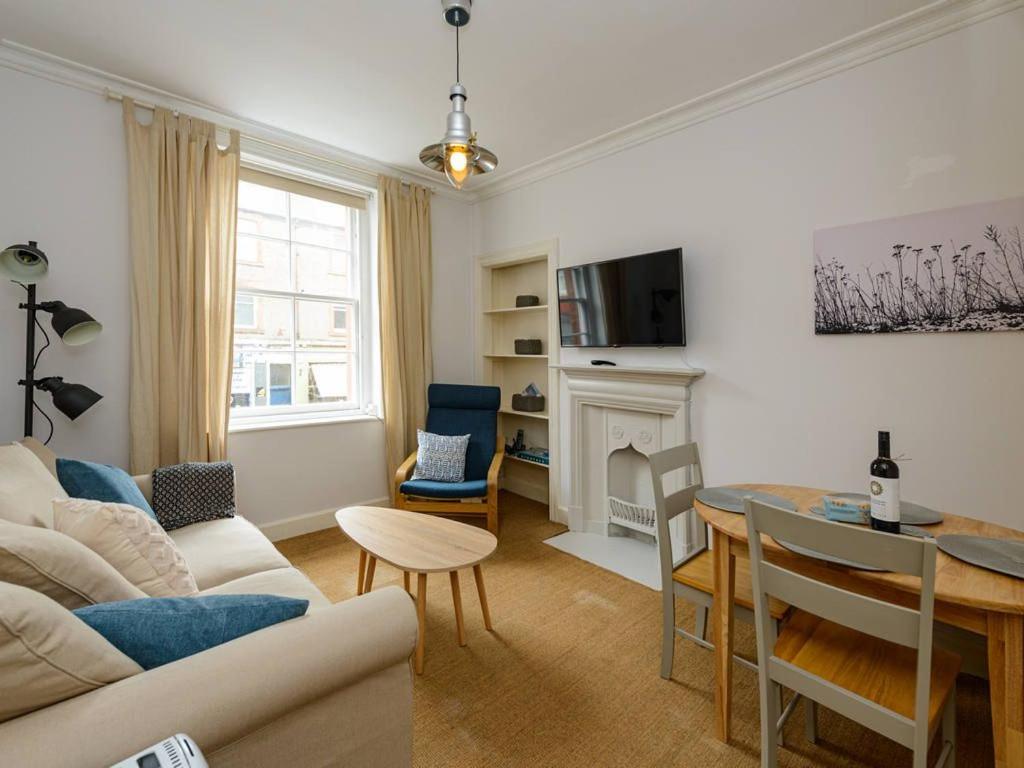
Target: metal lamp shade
75,326
24,263
71,399
481,160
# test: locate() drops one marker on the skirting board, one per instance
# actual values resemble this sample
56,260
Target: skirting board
534,491
312,521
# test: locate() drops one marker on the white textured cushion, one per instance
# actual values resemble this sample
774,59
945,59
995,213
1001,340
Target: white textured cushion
27,489
61,568
222,550
286,582
131,541
47,654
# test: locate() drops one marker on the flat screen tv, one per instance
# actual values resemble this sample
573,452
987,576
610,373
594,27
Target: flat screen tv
632,302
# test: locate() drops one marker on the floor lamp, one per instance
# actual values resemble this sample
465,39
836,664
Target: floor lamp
26,265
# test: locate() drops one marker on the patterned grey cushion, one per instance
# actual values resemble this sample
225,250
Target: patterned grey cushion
195,492
440,457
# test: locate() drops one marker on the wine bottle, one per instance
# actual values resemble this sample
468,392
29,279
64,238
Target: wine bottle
885,489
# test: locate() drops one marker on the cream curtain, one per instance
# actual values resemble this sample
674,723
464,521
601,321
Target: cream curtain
183,193
403,245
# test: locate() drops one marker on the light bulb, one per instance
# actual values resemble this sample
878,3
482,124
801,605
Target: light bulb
456,164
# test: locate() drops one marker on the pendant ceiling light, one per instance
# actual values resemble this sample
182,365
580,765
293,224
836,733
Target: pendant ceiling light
457,155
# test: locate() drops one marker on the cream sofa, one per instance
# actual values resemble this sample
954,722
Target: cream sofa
331,688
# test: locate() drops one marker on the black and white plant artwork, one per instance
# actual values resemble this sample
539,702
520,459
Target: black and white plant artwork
960,269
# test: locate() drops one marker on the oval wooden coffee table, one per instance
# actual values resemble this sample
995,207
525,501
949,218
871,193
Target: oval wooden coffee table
418,543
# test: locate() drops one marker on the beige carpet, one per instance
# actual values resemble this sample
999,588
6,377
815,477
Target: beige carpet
570,677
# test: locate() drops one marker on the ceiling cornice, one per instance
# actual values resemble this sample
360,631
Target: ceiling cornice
278,143
927,23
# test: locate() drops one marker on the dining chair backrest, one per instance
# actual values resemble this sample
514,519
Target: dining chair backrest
887,621
669,506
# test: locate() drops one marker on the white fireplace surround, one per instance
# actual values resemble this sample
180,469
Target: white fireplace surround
610,408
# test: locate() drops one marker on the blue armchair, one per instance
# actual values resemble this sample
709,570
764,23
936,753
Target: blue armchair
459,409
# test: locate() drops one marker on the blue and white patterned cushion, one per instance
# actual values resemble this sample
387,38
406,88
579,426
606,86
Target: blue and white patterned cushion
440,457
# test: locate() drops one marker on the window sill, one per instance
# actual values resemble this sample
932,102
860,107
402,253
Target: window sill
298,420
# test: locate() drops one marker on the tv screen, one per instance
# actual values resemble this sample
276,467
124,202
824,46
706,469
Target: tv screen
631,302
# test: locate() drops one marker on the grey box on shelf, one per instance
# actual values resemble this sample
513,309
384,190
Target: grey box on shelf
528,346
527,300
531,403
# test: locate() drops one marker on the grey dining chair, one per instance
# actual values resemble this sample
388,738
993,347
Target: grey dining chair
692,579
867,659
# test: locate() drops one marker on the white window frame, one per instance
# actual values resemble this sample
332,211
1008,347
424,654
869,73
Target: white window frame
363,346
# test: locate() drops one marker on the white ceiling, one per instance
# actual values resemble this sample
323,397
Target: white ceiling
372,76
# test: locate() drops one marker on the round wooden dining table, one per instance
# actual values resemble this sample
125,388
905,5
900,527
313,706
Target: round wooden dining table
971,598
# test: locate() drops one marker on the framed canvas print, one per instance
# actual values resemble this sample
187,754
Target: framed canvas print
958,269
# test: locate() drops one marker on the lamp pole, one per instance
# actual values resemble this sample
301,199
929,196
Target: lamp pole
30,352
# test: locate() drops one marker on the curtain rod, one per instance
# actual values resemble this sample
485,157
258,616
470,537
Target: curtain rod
112,95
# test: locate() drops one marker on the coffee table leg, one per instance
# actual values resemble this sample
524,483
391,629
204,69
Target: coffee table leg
362,572
405,581
457,599
421,615
479,574
370,568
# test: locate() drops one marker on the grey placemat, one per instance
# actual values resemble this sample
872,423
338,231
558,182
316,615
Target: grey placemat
906,530
731,499
826,558
1000,555
911,513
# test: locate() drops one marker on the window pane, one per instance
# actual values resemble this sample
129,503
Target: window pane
260,378
318,326
326,378
262,210
272,323
245,312
322,271
262,264
317,222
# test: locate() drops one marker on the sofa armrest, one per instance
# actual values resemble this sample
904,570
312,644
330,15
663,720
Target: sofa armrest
224,693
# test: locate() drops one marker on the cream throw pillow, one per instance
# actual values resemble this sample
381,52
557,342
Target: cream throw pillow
131,541
27,489
47,654
61,568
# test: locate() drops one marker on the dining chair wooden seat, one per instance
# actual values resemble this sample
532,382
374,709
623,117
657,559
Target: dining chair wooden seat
697,573
874,669
870,660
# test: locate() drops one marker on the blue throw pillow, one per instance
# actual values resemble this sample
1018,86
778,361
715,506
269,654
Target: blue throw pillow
158,630
100,482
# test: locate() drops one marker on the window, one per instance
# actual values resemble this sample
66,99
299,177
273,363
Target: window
301,299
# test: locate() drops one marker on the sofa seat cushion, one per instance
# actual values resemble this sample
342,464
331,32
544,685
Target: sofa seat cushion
222,550
432,489
286,582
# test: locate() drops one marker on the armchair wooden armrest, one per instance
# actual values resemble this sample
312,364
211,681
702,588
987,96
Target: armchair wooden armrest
403,473
492,471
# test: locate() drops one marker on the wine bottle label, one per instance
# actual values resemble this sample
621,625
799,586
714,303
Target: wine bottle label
885,499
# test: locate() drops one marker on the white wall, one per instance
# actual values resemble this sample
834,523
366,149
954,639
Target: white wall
63,183
931,127
452,229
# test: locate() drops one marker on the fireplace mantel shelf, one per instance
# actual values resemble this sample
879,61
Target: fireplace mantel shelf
680,375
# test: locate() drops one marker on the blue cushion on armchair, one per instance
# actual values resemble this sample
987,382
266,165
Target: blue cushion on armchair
433,489
154,631
467,409
100,482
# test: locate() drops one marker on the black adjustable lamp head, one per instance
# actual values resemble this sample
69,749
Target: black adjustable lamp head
70,399
74,326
